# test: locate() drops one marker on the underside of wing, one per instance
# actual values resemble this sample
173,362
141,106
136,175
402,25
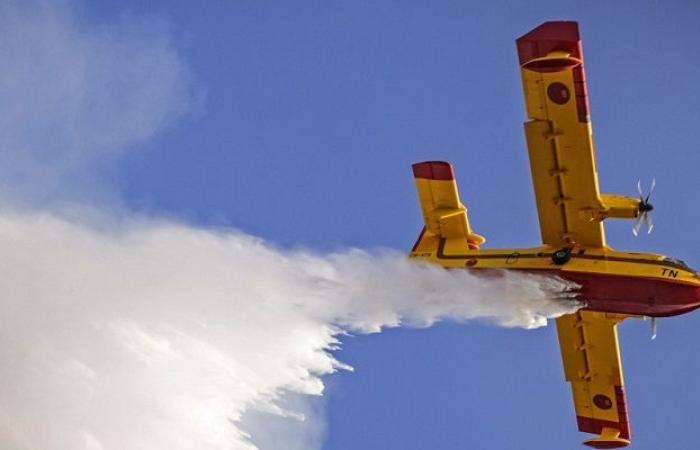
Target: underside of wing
591,358
559,135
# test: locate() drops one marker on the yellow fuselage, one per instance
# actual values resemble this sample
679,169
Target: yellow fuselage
611,281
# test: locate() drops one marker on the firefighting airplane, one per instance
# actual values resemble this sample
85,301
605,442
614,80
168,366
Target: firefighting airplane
614,285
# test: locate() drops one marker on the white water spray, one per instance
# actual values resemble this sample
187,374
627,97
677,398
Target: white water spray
155,335
162,336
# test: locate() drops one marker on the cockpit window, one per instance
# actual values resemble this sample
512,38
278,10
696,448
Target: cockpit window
678,262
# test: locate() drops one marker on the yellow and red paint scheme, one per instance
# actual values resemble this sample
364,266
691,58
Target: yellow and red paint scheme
638,284
613,285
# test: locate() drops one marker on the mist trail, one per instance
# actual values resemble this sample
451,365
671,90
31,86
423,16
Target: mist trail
159,335
155,335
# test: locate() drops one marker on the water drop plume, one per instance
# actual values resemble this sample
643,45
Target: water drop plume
159,335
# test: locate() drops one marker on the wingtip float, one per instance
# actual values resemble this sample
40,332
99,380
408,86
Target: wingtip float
615,285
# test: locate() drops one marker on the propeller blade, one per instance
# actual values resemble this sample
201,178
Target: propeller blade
648,222
639,188
653,328
638,225
651,189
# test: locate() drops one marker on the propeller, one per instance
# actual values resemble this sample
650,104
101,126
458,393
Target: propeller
653,326
645,209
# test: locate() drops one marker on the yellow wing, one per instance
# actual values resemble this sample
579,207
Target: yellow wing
571,211
559,139
591,357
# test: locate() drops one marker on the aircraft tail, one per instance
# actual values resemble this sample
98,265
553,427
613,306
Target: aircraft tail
444,214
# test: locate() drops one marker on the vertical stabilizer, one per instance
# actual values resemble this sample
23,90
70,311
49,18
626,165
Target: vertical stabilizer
444,214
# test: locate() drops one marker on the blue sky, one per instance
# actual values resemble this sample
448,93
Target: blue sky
310,116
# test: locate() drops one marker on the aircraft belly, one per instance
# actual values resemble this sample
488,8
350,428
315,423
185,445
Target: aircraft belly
635,295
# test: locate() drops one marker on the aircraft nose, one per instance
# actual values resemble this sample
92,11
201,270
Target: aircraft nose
696,297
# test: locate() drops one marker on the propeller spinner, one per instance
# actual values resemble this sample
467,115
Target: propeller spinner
645,209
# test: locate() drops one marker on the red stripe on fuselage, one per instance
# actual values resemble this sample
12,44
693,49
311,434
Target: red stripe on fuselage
627,294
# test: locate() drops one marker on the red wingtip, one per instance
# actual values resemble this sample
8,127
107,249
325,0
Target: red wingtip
549,37
434,170
535,53
596,426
